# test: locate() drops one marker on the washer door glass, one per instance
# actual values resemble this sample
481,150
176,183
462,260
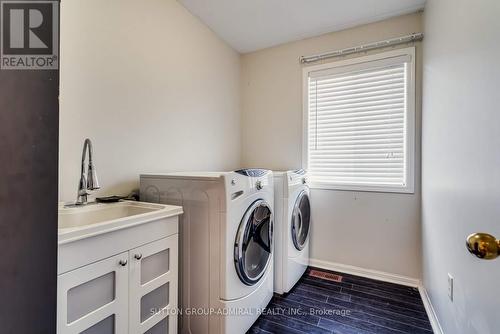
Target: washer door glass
253,246
301,218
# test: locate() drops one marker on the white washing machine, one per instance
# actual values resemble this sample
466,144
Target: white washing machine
292,227
226,236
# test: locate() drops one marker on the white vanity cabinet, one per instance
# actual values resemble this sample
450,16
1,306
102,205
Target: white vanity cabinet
120,281
132,292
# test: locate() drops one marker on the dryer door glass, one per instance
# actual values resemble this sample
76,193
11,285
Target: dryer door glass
253,246
301,218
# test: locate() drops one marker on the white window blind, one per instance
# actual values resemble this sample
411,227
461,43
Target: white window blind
359,125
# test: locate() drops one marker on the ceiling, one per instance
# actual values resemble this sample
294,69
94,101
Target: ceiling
249,25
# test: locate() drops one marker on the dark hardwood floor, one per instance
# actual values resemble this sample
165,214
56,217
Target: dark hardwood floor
350,305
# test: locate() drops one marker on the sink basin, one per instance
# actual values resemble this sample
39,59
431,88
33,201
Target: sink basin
77,222
81,216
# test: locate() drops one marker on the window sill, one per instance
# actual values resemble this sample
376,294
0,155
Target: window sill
358,188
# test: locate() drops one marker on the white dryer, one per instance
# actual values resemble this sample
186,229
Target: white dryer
226,236
292,227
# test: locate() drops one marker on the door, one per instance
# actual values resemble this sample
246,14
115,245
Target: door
301,218
253,246
29,129
154,287
94,299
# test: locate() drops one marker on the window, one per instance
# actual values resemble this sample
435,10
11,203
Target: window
359,123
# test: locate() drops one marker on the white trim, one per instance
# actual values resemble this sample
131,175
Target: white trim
368,273
305,116
410,114
431,313
385,277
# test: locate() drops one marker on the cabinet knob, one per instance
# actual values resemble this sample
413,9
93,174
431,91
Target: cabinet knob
138,256
123,263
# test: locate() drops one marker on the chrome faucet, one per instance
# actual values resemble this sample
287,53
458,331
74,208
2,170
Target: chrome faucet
90,182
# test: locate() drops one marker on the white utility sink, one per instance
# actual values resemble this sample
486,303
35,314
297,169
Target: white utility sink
78,222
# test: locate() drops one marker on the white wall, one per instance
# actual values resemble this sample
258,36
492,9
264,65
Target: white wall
153,88
461,160
370,230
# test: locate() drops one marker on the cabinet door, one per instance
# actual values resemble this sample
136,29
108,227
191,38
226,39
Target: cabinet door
153,287
94,298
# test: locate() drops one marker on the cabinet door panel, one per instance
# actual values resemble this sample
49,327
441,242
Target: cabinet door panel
106,326
94,298
153,287
154,301
90,296
160,328
154,265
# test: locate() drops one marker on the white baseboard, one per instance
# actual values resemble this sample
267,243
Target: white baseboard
368,273
436,326
386,277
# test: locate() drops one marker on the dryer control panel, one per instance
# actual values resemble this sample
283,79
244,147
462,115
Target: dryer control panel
299,172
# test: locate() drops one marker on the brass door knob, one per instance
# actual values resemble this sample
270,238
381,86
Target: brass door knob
483,245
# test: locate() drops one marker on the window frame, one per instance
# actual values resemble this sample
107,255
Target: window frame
410,115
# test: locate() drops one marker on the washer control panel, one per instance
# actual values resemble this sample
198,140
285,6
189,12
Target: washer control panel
253,172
